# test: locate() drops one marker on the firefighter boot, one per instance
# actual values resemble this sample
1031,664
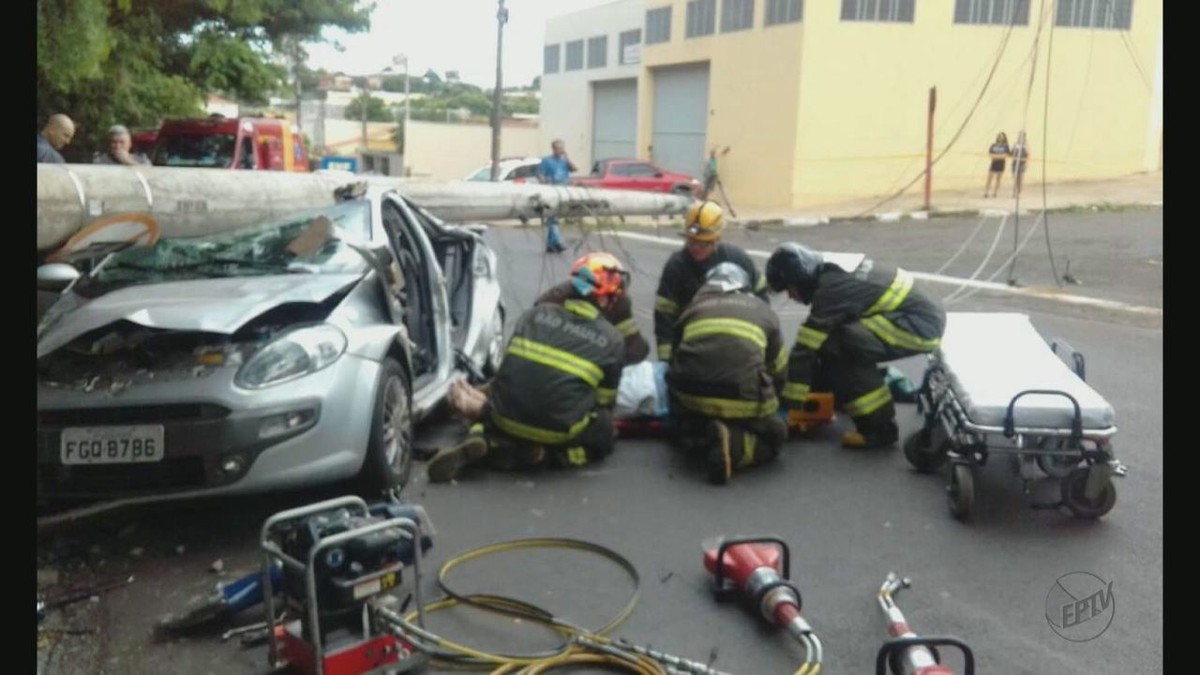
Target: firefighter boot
448,462
877,435
718,462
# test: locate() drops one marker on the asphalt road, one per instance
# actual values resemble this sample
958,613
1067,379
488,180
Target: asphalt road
849,517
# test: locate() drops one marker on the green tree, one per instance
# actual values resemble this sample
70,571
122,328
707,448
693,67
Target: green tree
136,61
377,110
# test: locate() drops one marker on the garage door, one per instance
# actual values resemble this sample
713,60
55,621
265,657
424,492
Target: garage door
614,119
680,118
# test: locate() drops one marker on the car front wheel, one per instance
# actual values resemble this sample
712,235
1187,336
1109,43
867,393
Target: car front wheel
388,463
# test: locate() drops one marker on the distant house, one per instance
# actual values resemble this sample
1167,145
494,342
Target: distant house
217,105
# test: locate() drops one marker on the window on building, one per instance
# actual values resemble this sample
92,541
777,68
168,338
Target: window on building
737,15
1117,14
1000,12
550,59
597,52
574,55
629,41
658,25
701,18
783,11
878,10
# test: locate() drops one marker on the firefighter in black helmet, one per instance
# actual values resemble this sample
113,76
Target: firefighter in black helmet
727,366
685,270
551,401
858,319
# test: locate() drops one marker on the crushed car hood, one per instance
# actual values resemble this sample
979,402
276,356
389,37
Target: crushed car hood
206,305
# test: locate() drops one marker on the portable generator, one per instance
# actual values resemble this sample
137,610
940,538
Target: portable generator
337,557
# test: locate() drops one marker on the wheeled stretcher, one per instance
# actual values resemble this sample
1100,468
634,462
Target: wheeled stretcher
996,387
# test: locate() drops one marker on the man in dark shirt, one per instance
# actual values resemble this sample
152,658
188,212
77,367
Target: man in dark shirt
55,136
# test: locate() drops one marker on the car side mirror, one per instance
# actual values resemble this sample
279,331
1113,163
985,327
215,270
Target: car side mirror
658,174
54,277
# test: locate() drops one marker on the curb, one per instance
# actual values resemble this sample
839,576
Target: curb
898,216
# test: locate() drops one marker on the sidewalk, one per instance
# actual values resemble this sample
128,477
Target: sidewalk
1141,189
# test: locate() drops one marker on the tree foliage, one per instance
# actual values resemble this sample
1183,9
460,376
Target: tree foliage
377,110
135,62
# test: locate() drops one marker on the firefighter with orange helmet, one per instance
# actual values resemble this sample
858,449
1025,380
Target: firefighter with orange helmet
685,271
619,312
551,400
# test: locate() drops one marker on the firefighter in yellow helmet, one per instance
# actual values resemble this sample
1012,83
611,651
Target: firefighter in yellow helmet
686,269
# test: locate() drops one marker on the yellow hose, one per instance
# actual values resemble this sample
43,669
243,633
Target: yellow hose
569,655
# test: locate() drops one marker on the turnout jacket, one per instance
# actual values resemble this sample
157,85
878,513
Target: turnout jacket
682,276
619,314
728,358
562,363
882,299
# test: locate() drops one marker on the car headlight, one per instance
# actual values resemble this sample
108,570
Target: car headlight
292,355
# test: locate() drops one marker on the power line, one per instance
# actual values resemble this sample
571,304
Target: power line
1045,143
957,134
1019,160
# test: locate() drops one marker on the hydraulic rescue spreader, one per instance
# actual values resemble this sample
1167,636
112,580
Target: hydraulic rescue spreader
758,569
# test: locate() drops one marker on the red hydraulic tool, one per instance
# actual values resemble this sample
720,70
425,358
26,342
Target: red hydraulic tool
907,653
758,569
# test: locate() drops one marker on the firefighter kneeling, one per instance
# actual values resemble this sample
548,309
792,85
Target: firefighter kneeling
727,365
551,401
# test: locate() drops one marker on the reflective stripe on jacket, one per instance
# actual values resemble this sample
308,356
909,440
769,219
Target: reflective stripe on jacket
619,314
882,298
681,277
728,359
561,364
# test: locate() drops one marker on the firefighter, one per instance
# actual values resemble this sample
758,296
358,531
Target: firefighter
684,271
858,319
551,401
619,313
727,366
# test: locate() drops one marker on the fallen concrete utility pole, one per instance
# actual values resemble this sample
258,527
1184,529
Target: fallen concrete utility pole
189,202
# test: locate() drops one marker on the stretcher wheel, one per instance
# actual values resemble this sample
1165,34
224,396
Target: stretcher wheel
1057,466
961,491
1074,495
918,450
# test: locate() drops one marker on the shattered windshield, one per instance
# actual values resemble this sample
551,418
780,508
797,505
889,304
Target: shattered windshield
319,241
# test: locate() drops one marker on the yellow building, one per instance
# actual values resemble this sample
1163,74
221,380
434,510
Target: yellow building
825,100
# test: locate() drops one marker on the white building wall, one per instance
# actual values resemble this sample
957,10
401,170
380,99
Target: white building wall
566,108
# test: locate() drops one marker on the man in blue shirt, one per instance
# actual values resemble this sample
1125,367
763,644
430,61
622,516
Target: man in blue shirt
555,169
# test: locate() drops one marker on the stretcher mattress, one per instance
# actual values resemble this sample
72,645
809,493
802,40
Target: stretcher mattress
991,357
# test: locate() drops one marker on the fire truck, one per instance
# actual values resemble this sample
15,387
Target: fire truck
242,143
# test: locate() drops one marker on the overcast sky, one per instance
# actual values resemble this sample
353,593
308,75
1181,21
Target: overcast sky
448,35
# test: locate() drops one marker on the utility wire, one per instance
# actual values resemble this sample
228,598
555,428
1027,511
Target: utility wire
1045,143
957,134
1022,143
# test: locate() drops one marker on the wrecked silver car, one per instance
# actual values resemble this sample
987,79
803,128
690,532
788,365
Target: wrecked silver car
296,352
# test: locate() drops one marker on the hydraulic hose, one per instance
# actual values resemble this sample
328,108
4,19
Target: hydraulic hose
580,646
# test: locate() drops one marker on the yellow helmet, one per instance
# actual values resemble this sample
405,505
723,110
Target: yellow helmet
704,221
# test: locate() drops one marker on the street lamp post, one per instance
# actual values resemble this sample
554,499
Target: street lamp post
497,95
404,130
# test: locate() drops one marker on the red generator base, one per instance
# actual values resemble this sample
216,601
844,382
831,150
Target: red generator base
348,655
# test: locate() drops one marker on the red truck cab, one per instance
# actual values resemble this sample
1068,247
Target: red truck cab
219,142
638,174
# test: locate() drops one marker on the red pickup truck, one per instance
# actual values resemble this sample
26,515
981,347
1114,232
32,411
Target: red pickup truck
637,174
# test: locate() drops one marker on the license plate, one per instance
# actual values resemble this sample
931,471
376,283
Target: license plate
112,445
